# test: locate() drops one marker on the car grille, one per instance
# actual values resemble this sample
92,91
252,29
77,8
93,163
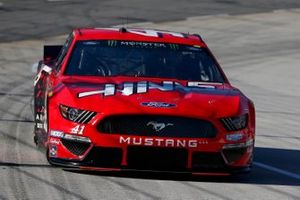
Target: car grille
76,147
204,161
155,125
150,158
104,157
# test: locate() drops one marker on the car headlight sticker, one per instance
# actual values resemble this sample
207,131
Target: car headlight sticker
235,123
76,115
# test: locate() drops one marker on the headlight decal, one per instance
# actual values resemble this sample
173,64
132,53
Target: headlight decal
76,115
235,123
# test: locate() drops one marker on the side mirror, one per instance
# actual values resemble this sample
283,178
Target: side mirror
51,53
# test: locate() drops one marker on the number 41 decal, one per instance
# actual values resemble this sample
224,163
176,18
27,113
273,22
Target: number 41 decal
78,129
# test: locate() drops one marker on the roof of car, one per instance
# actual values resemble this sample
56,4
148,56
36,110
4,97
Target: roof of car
137,34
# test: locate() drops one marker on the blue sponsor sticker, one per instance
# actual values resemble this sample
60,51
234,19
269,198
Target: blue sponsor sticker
53,151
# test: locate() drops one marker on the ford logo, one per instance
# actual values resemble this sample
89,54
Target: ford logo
158,104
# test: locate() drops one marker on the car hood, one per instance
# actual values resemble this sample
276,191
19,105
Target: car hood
115,96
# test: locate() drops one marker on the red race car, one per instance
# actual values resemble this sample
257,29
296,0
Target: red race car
138,99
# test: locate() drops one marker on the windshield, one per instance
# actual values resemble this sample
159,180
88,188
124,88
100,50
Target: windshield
146,59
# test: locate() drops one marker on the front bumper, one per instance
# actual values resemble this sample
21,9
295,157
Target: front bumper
228,159
153,151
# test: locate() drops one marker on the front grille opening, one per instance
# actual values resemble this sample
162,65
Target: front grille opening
76,147
163,159
235,154
209,160
156,125
104,157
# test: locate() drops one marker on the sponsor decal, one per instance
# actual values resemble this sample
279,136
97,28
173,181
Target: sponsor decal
53,151
162,142
54,141
158,104
158,126
40,117
130,88
143,44
39,125
40,120
55,133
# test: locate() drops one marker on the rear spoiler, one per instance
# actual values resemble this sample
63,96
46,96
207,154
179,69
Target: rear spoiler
51,53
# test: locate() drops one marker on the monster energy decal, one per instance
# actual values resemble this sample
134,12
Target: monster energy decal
136,44
112,43
142,44
174,46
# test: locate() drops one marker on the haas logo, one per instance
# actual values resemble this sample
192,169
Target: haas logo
158,126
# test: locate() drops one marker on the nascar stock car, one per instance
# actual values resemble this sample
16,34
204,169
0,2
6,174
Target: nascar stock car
139,99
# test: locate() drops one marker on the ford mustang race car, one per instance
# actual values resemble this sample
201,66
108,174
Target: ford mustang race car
139,99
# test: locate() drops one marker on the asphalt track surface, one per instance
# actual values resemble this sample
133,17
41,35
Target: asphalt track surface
259,50
21,19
